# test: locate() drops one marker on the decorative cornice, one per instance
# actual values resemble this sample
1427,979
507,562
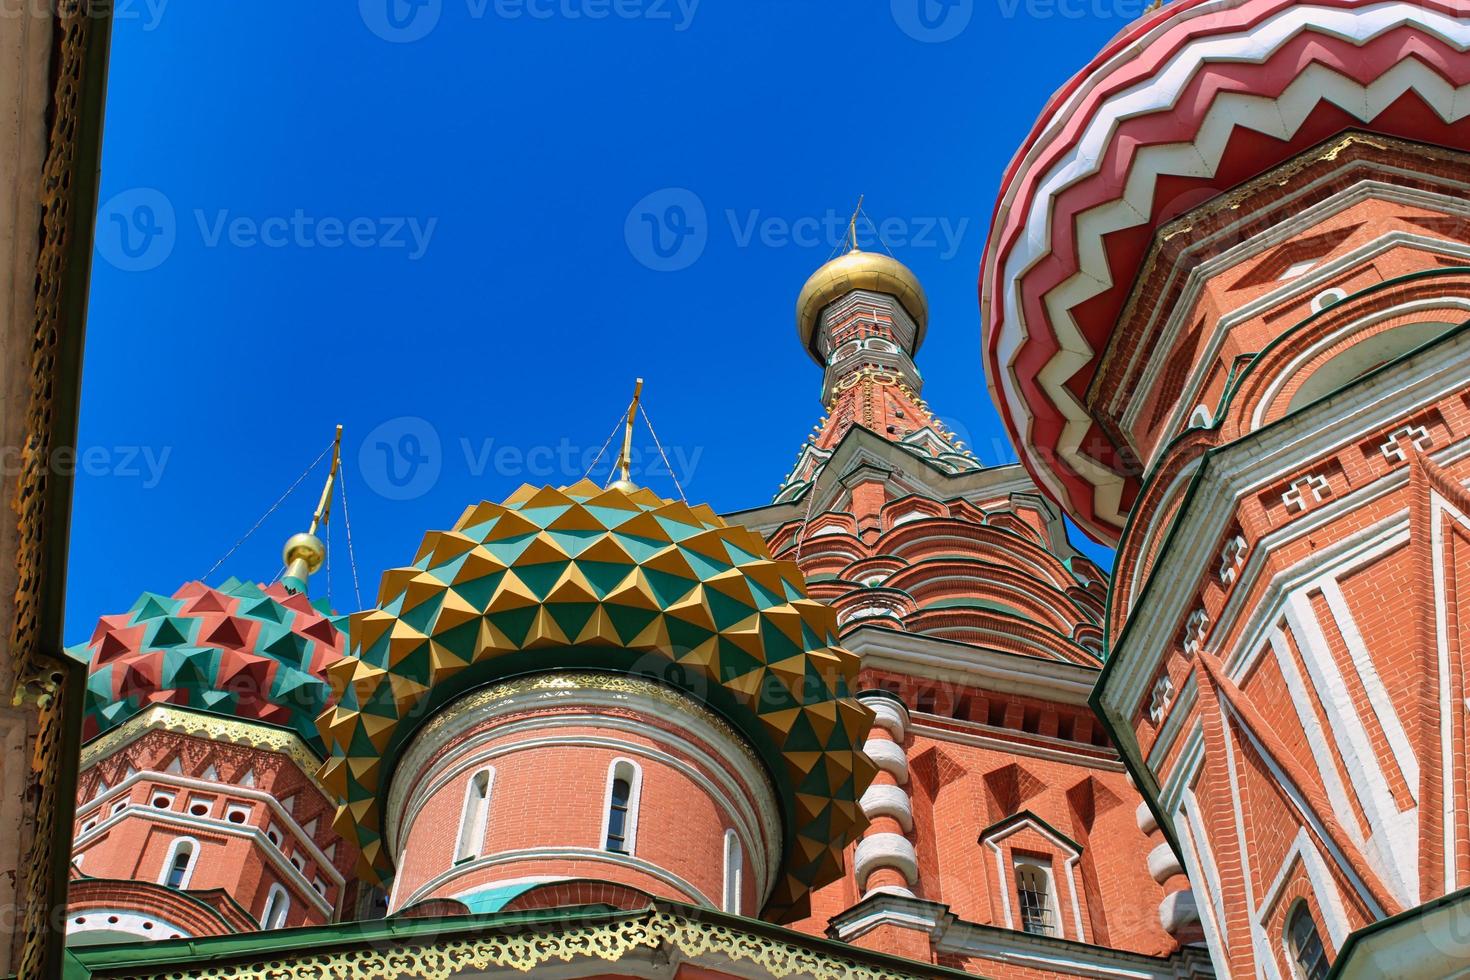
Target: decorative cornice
198,724
665,936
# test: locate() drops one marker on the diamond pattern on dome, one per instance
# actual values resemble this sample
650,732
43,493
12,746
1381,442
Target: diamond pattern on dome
584,577
243,650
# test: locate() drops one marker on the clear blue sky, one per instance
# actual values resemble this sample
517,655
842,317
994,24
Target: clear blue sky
434,220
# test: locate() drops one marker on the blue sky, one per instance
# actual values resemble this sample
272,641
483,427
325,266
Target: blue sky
434,222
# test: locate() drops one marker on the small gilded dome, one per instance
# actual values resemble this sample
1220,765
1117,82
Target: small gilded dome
859,270
242,650
586,578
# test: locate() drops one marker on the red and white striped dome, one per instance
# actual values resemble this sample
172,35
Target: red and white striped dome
1192,100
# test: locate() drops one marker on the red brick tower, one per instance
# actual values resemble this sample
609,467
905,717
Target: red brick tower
1225,306
1004,837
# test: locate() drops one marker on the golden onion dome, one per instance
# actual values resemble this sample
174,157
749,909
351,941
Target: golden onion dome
859,270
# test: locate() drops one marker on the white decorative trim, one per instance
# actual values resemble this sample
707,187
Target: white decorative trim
1329,900
632,773
733,877
885,850
595,854
190,864
1072,856
882,800
722,764
1162,863
210,823
889,757
129,921
888,714
1416,434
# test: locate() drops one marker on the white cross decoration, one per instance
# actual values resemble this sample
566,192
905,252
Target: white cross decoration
1294,499
1194,631
1163,694
1416,434
1231,558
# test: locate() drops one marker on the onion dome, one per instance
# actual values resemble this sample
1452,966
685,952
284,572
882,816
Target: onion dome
607,579
241,650
859,270
1186,103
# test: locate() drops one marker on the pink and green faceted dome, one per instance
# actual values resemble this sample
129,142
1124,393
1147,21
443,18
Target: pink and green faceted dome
256,653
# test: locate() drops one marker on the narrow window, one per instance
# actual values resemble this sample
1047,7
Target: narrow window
1306,945
277,904
178,868
472,817
1033,889
734,864
622,807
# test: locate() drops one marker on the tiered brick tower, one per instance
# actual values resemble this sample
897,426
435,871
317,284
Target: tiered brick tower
198,813
1004,837
1225,305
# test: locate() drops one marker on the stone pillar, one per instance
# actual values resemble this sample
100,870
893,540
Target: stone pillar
885,860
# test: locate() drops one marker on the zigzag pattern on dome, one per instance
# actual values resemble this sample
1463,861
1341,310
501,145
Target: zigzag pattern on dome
241,650
1188,102
584,577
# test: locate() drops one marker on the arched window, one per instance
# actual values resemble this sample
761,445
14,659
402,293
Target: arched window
1307,953
620,822
277,904
734,865
473,817
1033,888
178,867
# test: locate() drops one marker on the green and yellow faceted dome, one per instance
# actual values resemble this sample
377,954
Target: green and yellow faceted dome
608,579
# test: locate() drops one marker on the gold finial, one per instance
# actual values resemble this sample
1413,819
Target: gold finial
304,552
624,482
852,225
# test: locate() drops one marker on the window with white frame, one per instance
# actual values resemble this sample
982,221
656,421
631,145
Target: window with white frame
178,866
277,904
473,817
1308,956
620,819
1034,894
200,806
734,866
238,813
